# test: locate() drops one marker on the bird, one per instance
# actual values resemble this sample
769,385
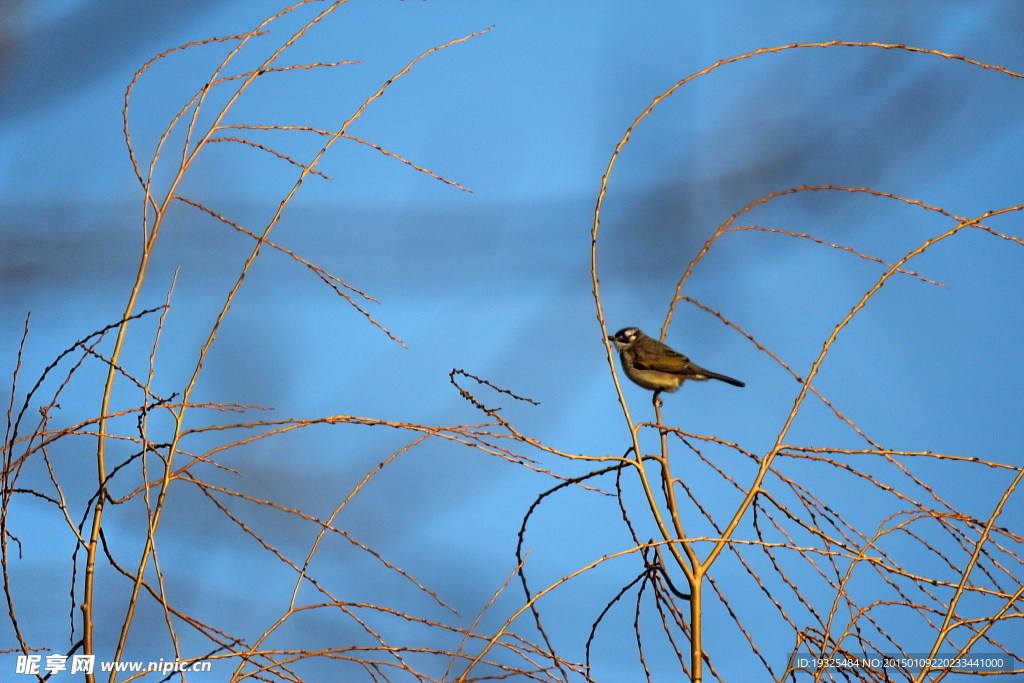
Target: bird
657,366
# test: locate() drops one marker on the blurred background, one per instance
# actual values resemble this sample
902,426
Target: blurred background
497,281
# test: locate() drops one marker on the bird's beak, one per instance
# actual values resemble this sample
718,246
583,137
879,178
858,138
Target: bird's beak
611,338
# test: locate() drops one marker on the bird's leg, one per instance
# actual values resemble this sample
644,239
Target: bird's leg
657,417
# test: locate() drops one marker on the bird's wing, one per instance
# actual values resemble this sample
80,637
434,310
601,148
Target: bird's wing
663,359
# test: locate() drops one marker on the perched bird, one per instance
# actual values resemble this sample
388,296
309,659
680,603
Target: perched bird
657,366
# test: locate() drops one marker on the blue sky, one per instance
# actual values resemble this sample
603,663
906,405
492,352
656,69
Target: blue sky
497,281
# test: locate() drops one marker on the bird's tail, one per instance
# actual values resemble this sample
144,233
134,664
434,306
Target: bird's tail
724,378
